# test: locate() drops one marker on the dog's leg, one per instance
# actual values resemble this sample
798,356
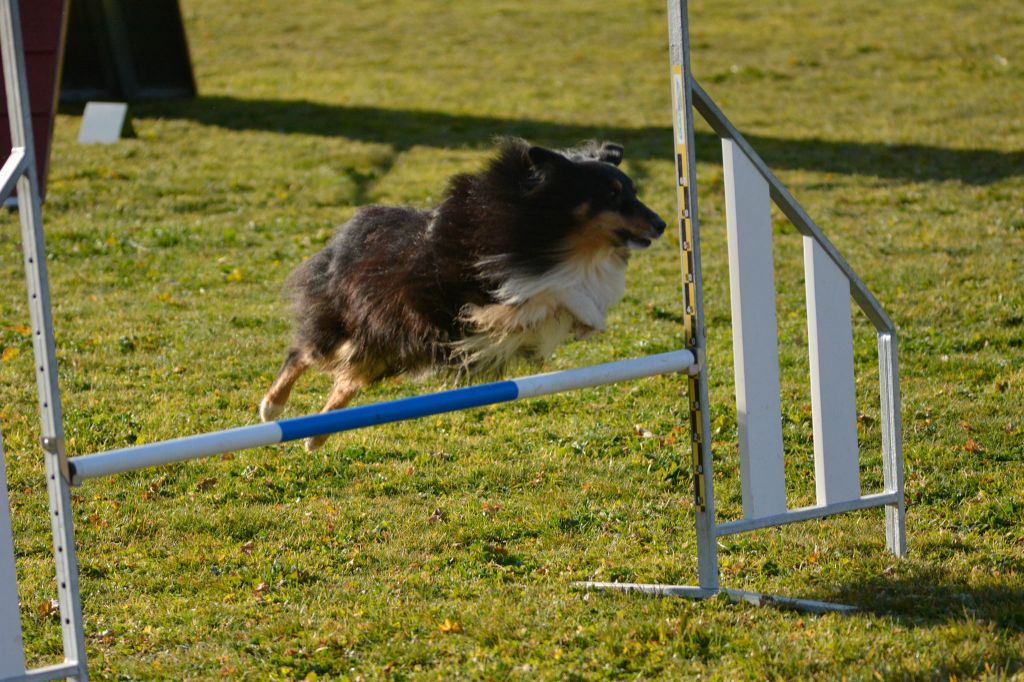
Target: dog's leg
273,402
346,385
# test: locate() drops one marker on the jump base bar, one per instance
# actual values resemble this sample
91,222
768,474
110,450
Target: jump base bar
243,437
755,598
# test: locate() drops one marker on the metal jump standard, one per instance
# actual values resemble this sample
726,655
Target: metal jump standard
750,187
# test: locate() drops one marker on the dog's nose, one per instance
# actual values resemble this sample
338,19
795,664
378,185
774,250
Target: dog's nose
658,224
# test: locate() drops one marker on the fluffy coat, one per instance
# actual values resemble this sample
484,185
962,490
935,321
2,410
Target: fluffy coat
516,259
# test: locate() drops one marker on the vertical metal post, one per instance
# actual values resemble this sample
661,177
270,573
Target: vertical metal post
12,647
29,208
892,443
686,182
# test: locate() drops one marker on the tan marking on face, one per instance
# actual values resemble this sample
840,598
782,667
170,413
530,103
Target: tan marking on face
595,234
598,233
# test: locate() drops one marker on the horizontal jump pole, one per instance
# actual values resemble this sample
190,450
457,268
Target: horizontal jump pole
243,437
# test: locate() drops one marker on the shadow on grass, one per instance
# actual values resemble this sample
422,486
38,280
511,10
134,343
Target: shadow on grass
404,129
929,596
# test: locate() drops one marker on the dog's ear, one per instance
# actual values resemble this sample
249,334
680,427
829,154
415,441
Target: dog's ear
546,161
610,153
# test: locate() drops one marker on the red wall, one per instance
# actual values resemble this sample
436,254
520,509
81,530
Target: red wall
42,29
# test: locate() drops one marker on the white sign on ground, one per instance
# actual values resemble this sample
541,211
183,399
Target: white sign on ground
102,122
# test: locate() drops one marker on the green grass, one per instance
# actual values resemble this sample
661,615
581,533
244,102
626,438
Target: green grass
446,547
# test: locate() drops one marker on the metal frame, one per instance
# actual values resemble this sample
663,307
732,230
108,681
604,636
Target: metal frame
885,330
20,170
686,91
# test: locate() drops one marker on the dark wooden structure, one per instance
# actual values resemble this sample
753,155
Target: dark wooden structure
126,50
42,26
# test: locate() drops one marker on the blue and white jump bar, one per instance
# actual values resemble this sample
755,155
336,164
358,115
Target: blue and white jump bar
218,442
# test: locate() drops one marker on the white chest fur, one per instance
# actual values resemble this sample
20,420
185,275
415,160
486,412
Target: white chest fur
537,313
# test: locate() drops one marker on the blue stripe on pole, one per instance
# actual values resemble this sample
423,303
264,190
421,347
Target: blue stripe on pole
240,438
398,410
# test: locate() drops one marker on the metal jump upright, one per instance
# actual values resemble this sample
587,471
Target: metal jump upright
20,171
750,187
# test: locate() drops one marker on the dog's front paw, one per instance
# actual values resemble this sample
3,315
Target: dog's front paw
315,442
269,411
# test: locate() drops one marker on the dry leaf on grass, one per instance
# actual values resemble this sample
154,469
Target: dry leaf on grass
973,446
448,626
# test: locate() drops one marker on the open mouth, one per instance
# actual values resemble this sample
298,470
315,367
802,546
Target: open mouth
633,241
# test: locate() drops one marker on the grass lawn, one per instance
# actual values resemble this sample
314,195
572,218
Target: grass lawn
446,547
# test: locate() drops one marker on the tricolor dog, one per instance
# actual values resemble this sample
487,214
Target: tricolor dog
515,260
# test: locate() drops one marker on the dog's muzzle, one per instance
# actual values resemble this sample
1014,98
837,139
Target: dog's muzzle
655,228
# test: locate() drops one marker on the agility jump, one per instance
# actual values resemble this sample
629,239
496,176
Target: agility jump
270,433
750,188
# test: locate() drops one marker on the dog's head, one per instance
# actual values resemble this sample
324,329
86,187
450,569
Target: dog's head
601,199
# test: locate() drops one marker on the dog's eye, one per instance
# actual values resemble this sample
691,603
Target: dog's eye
614,191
